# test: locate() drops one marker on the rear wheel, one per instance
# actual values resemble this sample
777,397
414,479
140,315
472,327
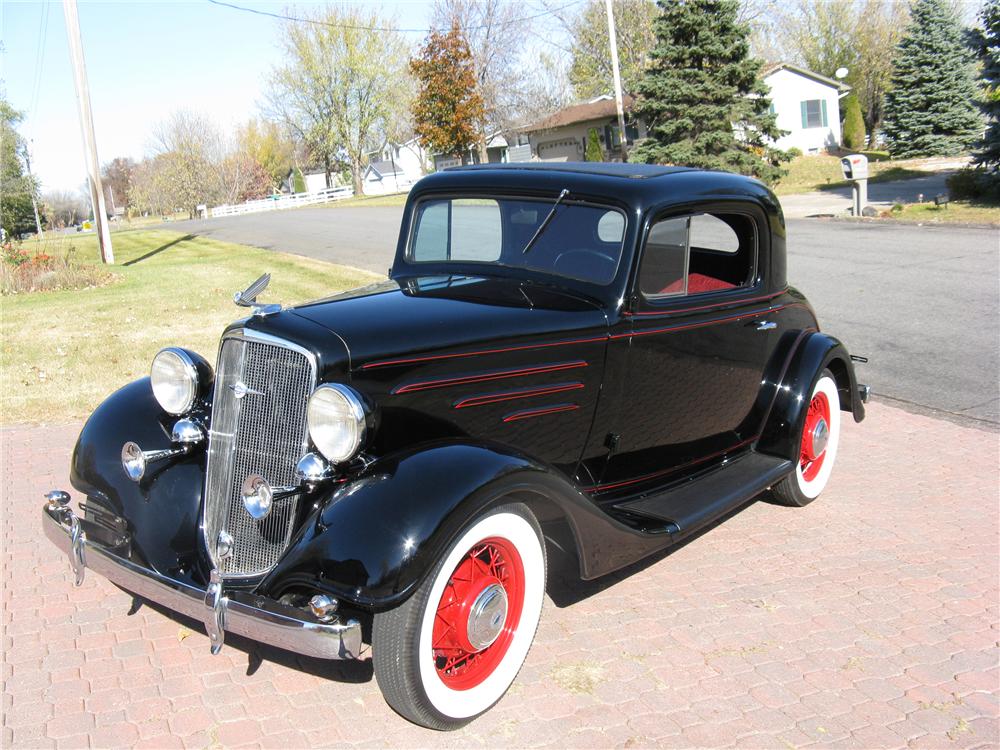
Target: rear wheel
817,446
453,648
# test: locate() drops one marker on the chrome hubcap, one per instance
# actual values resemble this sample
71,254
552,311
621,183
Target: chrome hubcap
820,437
487,616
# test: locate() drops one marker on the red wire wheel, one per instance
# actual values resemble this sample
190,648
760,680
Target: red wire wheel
471,612
814,437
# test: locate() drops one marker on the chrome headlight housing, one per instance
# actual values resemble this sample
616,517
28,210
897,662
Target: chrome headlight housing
337,421
175,381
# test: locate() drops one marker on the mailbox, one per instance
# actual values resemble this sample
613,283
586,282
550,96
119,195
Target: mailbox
855,166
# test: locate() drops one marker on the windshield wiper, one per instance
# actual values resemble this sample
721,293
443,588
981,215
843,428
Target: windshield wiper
545,222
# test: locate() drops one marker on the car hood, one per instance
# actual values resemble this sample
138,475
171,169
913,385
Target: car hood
426,316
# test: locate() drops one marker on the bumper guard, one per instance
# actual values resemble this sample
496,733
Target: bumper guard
249,615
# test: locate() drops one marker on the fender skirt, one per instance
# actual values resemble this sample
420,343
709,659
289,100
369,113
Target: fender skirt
780,436
374,539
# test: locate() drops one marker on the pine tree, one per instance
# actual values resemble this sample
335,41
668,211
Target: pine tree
930,108
702,98
594,151
987,45
854,124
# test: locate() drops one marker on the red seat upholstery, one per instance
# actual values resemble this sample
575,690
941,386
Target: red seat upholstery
697,282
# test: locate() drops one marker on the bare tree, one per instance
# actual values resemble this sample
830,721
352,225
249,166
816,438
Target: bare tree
494,31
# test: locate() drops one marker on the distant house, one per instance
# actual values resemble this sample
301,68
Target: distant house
807,105
315,180
381,177
496,153
409,157
562,136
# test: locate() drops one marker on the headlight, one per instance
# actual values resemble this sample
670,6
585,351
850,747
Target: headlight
174,377
336,419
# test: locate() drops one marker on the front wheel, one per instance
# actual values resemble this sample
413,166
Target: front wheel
452,649
817,446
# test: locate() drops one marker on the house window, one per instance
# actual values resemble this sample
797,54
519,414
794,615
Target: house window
814,113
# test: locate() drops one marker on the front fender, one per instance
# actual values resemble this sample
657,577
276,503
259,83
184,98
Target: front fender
162,511
373,540
780,436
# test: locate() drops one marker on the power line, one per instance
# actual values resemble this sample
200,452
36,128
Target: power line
316,22
43,30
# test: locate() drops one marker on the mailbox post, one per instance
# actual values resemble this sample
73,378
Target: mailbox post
855,168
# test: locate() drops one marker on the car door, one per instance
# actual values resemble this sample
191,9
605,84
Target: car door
698,340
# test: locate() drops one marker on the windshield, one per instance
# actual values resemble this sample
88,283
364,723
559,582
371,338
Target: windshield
581,241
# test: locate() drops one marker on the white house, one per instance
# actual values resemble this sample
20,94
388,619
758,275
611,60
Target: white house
807,105
382,177
409,158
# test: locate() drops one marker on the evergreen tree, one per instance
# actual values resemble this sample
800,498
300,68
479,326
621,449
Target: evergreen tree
930,109
854,123
594,151
987,45
702,98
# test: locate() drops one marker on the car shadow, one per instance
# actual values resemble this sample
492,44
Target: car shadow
565,587
352,671
159,250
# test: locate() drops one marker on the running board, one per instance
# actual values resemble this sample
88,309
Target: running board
702,500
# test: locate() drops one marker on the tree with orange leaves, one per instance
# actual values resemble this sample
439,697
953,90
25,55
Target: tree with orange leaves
448,111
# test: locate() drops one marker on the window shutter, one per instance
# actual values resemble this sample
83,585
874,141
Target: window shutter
823,105
805,114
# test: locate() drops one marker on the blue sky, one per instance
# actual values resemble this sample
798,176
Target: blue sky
144,60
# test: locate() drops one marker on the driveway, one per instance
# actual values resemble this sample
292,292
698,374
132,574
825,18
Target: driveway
881,195
921,302
866,620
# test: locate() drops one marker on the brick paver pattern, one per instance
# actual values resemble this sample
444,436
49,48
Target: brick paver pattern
868,619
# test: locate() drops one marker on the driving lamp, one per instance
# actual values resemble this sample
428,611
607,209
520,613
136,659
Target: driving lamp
174,378
336,418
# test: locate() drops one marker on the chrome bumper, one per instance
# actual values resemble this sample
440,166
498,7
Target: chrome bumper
254,617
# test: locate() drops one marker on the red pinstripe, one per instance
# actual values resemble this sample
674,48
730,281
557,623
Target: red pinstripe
527,413
492,398
478,378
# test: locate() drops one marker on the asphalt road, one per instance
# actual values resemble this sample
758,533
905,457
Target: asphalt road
921,302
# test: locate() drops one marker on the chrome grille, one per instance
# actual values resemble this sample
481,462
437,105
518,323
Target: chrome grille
263,432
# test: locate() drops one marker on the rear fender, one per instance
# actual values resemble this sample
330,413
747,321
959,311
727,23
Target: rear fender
374,539
815,352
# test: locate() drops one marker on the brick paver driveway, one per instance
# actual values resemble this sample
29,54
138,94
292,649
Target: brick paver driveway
868,619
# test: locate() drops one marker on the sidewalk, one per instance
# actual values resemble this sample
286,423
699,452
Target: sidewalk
881,195
867,620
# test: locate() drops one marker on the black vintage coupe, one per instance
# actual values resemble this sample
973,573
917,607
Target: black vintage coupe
591,359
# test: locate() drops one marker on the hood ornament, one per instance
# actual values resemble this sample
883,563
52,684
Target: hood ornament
248,297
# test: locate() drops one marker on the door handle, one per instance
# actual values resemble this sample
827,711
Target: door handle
766,325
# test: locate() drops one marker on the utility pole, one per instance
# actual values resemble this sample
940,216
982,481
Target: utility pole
34,203
613,42
87,126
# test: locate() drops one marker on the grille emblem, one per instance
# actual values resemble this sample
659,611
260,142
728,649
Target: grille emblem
241,389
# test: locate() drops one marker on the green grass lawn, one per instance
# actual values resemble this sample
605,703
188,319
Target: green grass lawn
396,199
957,212
64,351
809,173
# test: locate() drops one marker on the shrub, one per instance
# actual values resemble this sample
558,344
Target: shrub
594,151
21,272
794,152
854,124
974,185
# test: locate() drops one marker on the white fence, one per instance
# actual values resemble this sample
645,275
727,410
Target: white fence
284,201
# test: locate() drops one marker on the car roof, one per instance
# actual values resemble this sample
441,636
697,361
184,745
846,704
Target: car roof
605,169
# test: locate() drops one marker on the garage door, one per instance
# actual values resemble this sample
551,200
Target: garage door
563,150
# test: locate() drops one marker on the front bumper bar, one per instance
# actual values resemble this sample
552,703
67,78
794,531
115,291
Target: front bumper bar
255,617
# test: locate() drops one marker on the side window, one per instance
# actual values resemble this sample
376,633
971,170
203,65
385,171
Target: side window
467,229
665,257
696,254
